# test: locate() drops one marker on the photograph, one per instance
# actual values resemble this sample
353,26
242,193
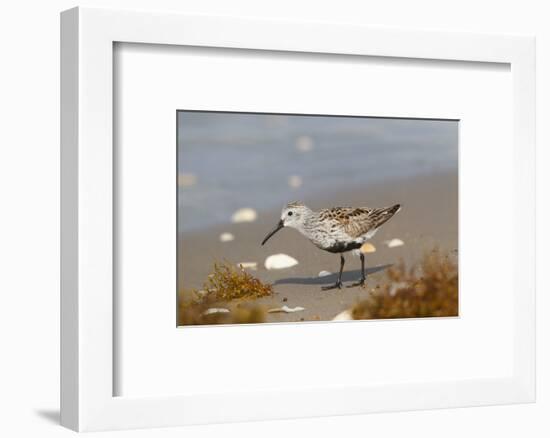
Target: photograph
286,218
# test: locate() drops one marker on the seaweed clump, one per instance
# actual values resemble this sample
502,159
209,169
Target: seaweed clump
221,300
228,282
431,290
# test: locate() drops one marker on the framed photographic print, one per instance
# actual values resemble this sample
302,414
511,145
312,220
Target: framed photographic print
340,221
342,170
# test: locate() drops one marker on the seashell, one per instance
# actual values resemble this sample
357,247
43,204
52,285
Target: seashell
393,243
202,293
286,309
244,215
213,310
253,266
280,261
346,315
367,248
226,237
304,143
324,273
396,287
294,181
186,179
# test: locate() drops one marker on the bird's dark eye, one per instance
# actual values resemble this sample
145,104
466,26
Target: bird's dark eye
290,213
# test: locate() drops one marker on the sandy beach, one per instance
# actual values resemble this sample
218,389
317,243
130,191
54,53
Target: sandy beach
428,219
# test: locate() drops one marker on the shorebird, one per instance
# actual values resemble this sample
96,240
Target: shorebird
336,230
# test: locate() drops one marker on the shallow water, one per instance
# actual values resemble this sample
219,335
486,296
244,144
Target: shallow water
229,161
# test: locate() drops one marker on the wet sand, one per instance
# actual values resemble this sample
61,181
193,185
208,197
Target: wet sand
428,218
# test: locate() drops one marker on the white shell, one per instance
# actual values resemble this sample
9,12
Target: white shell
280,261
215,310
226,237
393,243
286,309
324,273
253,266
304,143
396,286
295,181
244,215
346,315
186,179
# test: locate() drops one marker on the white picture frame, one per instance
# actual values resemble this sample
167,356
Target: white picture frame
87,331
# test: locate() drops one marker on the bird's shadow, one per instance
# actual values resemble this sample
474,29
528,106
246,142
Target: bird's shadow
346,276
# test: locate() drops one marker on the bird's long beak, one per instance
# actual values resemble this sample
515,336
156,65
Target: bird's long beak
277,228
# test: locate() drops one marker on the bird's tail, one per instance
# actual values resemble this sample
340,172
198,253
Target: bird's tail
394,209
382,215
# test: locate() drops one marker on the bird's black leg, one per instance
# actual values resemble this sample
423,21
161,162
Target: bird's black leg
363,276
338,284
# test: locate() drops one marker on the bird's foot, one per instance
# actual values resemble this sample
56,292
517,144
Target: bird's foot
361,283
337,285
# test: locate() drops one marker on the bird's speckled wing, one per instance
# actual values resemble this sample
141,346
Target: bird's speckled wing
358,221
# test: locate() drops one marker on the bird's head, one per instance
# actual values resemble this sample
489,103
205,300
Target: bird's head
293,215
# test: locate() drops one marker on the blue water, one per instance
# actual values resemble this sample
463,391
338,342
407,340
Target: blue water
245,160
